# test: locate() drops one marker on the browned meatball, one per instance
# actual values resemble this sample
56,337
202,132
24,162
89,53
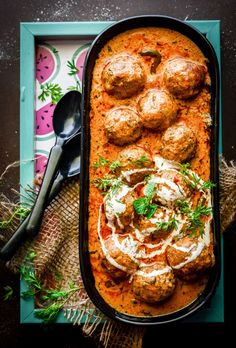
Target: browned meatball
134,158
154,283
127,216
170,186
117,263
178,143
188,257
123,76
152,229
122,125
119,206
157,109
184,78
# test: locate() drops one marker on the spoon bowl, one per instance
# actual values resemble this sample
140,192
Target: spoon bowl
67,115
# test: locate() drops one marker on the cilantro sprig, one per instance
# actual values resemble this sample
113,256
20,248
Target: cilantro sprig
54,299
192,179
144,205
168,225
194,216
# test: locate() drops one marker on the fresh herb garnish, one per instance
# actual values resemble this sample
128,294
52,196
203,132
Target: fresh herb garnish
195,223
103,184
102,162
207,185
144,205
194,216
53,298
114,165
184,168
168,225
53,90
140,162
73,69
8,293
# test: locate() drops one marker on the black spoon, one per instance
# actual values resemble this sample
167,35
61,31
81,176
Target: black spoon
69,166
66,123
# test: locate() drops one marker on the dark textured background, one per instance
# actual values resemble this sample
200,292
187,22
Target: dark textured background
12,12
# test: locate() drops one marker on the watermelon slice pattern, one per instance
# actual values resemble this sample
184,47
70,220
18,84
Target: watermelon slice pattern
40,163
50,70
79,58
44,119
47,63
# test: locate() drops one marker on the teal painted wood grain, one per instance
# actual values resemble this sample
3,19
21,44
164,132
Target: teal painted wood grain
32,31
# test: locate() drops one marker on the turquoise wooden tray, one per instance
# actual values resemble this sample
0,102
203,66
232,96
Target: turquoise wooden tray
29,33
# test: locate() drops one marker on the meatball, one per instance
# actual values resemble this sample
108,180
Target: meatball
178,143
127,216
170,186
119,206
154,283
157,109
184,78
123,76
122,125
188,257
152,230
134,158
116,262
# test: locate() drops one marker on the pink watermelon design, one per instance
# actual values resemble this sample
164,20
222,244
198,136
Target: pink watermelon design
79,63
44,119
40,163
47,63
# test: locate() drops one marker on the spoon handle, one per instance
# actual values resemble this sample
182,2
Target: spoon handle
20,235
36,215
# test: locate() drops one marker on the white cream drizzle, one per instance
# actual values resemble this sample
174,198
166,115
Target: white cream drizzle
130,246
154,273
195,252
128,173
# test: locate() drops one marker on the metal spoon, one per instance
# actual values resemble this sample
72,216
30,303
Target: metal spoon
69,166
66,123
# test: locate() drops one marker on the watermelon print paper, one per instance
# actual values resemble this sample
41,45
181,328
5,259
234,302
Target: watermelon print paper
58,69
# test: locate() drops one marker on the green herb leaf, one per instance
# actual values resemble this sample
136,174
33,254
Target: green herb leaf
149,189
73,69
53,90
207,185
114,165
184,168
49,313
102,162
167,225
141,205
151,210
8,293
140,162
103,184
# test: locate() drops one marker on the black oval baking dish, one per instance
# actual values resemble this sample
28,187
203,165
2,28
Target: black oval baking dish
86,271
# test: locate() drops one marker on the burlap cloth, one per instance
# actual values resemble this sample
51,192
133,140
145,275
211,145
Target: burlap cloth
56,247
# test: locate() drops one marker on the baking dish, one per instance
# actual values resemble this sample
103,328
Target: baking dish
87,274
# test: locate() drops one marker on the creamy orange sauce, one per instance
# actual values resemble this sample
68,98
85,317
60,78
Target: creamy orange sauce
192,112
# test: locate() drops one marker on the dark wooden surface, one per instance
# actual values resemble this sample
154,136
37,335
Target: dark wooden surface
12,334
